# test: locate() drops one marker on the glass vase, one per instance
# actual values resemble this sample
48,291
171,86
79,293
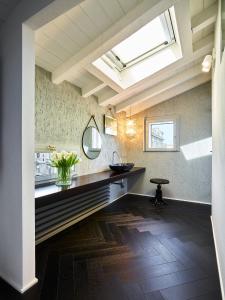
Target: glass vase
64,176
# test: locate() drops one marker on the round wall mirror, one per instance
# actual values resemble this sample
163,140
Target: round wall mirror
91,142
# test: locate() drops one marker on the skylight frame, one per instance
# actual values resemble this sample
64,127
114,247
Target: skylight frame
114,62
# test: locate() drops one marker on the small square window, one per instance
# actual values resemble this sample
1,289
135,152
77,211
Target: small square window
161,134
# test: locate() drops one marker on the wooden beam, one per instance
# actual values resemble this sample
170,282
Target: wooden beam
204,43
101,76
201,48
160,87
204,18
131,22
92,89
172,92
183,19
108,93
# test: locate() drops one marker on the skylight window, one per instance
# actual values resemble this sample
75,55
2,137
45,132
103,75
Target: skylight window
153,47
151,38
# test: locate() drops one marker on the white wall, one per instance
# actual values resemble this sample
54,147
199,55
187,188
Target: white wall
15,202
218,159
17,247
189,170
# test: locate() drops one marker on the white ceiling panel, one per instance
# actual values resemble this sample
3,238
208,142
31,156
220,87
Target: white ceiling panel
96,14
113,9
48,56
45,64
84,79
197,6
127,5
203,33
70,29
84,23
53,46
69,36
58,36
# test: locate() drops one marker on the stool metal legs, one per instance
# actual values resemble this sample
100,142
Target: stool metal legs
158,196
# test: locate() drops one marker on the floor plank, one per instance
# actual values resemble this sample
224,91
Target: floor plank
129,251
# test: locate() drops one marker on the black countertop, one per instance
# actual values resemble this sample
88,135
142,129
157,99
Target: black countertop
82,183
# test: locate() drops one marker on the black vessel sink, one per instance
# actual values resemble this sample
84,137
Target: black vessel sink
122,167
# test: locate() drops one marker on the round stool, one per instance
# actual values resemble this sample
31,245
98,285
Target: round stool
158,194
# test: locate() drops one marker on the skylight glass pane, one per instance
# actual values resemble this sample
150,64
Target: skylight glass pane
148,37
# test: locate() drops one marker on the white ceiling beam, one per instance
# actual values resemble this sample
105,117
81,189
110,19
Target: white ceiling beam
160,87
204,18
101,76
201,48
107,93
131,22
183,19
204,44
172,92
92,89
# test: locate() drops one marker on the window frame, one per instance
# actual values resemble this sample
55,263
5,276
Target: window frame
162,119
114,61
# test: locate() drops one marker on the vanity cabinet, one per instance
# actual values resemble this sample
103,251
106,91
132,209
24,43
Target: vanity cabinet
58,208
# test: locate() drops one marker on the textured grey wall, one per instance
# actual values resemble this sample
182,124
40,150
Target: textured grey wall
189,179
62,115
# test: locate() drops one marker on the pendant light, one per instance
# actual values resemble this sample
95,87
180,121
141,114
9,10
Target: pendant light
130,127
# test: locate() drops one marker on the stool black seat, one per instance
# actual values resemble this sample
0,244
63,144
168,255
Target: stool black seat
158,194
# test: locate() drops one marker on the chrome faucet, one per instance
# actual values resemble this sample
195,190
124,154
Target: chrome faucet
113,157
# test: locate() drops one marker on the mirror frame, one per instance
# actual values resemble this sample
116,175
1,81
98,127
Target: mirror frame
96,127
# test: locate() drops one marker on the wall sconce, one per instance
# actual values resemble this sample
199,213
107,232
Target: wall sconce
207,63
130,127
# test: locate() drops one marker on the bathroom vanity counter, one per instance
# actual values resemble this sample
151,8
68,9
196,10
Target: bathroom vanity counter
81,183
58,208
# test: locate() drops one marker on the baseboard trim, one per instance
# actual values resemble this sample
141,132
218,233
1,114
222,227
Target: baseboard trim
174,199
29,285
218,261
121,196
18,287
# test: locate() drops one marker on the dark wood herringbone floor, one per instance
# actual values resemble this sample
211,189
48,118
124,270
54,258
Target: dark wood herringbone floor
133,251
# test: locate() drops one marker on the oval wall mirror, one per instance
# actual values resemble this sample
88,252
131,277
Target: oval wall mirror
91,142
